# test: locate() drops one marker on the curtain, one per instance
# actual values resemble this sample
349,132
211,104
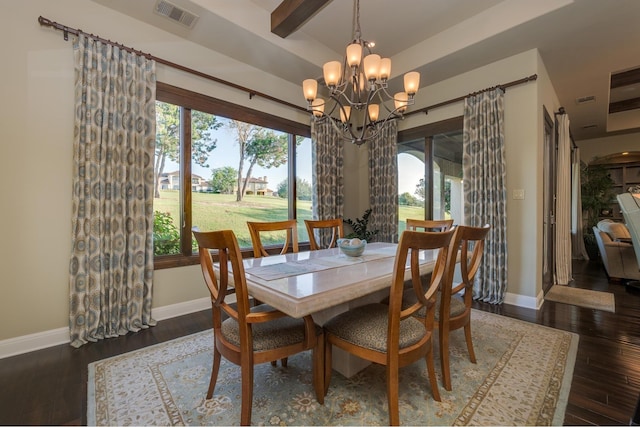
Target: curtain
111,266
327,161
484,175
383,183
563,203
577,236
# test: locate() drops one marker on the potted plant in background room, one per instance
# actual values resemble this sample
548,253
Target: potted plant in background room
597,197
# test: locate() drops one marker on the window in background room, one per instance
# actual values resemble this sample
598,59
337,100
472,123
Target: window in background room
218,166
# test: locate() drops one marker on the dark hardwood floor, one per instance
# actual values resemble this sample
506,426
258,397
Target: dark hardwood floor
49,386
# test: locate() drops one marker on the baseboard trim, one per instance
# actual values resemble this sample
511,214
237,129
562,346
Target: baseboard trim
524,301
32,342
38,341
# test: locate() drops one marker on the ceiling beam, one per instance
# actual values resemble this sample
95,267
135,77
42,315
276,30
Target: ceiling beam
291,14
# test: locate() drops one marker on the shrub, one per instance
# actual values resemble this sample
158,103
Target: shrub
166,236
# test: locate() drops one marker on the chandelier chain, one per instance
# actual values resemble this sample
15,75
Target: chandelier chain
356,33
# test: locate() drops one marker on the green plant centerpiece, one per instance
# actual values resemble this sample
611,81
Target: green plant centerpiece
359,227
597,195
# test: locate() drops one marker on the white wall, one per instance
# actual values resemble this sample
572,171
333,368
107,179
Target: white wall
36,153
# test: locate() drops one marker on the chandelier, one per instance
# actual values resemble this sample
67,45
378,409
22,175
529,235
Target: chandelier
357,90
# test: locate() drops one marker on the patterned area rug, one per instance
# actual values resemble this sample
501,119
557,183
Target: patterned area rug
522,377
582,297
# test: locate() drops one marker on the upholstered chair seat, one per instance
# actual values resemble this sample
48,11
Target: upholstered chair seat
277,333
366,326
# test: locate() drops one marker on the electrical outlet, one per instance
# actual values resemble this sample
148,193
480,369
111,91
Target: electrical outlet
518,194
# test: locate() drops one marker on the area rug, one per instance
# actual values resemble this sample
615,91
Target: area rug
582,297
522,377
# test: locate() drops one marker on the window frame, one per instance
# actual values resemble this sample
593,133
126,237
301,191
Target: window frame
188,101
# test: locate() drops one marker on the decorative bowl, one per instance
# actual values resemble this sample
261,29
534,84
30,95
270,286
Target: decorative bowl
352,247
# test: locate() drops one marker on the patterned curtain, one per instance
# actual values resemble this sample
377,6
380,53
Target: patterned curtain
327,161
111,265
485,190
563,203
383,183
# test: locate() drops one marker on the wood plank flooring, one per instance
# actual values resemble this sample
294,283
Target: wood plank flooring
50,386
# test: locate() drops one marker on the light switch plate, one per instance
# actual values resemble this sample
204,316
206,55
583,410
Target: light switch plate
518,194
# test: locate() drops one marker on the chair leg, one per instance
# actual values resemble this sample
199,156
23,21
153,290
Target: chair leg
443,338
318,370
327,365
392,395
431,370
214,372
247,392
467,335
284,361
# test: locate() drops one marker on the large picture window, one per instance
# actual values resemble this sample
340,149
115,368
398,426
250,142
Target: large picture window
217,166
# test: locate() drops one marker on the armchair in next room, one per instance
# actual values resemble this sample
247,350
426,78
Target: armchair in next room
618,256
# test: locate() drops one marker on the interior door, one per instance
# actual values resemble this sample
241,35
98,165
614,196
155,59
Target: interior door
549,196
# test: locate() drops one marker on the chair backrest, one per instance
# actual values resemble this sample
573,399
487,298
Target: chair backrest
429,224
469,242
225,244
630,207
291,239
324,226
409,246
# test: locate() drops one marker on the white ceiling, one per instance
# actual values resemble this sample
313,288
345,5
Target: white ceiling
580,41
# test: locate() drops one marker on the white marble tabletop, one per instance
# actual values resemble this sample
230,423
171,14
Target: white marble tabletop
308,282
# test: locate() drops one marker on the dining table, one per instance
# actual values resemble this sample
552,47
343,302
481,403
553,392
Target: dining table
327,282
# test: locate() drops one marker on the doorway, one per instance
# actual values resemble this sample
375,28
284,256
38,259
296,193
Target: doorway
549,204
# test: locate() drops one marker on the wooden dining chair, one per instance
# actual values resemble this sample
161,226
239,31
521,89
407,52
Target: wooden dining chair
454,302
387,334
429,224
270,228
334,226
251,335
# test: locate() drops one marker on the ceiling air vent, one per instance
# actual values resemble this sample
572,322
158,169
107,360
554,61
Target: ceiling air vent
585,99
176,14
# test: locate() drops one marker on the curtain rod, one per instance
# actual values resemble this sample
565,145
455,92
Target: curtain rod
461,98
66,30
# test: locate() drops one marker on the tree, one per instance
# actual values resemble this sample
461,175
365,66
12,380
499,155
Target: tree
168,138
408,200
223,179
420,189
257,145
303,189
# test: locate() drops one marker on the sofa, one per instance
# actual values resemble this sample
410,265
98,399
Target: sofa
617,252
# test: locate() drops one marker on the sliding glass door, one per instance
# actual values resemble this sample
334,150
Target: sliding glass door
430,173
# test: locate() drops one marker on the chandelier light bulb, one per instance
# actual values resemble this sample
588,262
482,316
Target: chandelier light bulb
317,107
354,54
374,111
411,82
332,71
401,101
345,114
310,89
372,66
385,68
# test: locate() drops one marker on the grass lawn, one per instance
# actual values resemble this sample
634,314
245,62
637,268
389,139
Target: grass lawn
222,211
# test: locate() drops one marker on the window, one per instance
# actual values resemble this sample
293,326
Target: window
218,166
430,173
